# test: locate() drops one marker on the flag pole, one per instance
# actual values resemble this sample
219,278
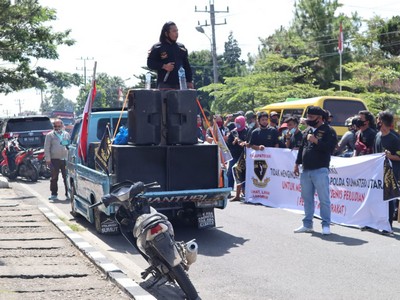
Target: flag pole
340,50
340,71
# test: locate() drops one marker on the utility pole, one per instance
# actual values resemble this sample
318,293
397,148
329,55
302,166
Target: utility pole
212,12
84,67
20,102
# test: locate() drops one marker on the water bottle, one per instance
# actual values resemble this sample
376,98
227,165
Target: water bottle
182,79
148,81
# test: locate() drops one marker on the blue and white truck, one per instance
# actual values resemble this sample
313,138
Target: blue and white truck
192,183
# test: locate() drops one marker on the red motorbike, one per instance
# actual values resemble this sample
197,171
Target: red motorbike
40,163
18,162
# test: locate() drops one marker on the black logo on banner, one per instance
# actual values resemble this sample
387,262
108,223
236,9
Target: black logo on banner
260,170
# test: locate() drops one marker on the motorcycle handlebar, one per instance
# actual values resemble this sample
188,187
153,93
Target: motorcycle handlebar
96,204
135,189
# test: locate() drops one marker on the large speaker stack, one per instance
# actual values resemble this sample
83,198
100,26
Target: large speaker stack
162,117
162,147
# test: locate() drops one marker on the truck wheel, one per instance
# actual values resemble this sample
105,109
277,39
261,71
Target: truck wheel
72,193
99,217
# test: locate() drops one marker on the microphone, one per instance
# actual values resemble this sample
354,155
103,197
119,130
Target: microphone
166,76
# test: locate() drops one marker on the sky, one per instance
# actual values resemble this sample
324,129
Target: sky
118,34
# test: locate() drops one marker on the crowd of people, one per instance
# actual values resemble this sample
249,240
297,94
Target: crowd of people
366,134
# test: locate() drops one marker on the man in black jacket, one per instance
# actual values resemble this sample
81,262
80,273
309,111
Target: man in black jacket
167,56
314,155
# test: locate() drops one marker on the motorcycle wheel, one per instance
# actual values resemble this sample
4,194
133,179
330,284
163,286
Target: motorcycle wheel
180,276
32,173
45,171
6,172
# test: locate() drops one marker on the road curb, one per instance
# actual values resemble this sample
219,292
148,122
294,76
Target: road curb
115,274
4,183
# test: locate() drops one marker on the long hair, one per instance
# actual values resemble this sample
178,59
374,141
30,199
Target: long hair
165,29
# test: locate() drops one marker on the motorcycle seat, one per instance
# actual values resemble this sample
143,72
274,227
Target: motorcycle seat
152,220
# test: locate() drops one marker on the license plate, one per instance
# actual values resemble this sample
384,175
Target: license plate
30,139
109,227
206,218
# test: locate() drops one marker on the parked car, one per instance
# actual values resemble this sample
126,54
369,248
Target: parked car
30,130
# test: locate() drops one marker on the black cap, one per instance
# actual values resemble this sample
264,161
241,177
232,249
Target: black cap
315,110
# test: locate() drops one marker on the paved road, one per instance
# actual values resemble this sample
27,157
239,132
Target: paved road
254,254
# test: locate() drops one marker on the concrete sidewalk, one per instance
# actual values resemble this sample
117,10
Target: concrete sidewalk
40,257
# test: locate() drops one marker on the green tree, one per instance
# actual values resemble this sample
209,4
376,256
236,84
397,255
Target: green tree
389,36
231,65
106,92
26,34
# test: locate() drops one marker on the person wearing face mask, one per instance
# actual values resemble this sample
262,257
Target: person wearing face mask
201,132
167,56
346,144
236,141
294,136
388,141
274,119
55,151
264,136
251,120
314,155
366,133
224,130
283,131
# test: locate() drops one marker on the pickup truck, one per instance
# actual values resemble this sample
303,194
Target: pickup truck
191,182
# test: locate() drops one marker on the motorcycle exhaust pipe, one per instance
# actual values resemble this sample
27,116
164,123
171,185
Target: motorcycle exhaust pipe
191,251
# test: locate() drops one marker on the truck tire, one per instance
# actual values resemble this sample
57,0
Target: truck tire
72,194
184,282
99,217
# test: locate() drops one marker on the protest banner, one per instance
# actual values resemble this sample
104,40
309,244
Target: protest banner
356,186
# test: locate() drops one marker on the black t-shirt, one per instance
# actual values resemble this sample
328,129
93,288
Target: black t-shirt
315,156
368,136
267,137
236,149
295,140
389,142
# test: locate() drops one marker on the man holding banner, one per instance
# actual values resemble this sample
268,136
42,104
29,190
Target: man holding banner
314,155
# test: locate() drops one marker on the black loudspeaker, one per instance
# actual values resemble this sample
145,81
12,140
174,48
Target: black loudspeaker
181,112
192,167
140,163
144,117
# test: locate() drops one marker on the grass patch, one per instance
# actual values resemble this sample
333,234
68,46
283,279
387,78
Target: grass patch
74,227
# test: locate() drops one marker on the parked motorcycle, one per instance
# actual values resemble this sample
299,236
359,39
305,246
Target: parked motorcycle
40,163
18,161
152,235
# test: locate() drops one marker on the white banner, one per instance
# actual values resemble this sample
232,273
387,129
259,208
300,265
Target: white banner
356,186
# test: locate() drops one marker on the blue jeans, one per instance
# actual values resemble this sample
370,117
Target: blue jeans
311,181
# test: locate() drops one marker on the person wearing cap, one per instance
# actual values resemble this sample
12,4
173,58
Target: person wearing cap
346,144
314,155
263,136
274,119
251,120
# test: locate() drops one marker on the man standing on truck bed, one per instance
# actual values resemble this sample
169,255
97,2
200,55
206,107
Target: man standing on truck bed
55,151
167,56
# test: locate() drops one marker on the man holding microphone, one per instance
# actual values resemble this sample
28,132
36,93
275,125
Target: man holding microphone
314,155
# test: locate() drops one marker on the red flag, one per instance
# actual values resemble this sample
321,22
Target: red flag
340,41
83,136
